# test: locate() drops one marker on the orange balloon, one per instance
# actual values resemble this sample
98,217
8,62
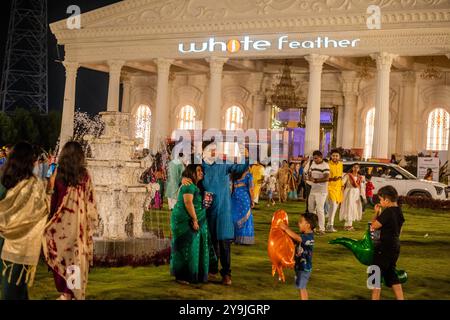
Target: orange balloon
281,247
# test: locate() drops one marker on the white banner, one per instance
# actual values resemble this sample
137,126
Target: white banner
424,163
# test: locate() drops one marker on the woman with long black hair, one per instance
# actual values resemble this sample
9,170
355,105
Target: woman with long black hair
23,215
191,245
68,239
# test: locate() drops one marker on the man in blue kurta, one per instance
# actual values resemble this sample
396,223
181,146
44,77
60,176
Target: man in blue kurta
220,221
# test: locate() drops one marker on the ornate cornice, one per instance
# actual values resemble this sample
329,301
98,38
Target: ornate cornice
135,18
402,42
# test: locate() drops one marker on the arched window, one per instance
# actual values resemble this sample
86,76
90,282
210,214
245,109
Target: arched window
186,118
143,124
438,130
234,119
370,125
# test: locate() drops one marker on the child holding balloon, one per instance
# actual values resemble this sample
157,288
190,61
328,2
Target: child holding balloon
305,244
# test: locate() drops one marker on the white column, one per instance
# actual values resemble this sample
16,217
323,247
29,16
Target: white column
381,133
171,100
448,146
115,69
67,123
340,125
126,96
259,100
260,120
448,159
408,112
213,112
350,88
312,135
160,128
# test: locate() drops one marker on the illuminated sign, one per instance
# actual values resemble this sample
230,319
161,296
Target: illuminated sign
247,44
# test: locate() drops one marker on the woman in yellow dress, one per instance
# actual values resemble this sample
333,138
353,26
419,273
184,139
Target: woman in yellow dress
257,172
335,193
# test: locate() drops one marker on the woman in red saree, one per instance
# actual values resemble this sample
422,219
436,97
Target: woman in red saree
68,243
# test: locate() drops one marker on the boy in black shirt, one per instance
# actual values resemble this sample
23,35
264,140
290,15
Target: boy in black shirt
387,222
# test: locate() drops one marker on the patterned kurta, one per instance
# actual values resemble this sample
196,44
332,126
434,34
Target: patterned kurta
286,182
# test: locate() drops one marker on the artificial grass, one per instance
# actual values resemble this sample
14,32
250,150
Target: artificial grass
425,255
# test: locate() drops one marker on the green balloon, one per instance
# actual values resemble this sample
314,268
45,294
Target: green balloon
363,250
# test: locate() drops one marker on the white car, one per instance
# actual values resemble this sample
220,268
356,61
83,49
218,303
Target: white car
406,184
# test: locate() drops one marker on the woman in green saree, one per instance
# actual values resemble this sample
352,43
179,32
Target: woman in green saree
191,246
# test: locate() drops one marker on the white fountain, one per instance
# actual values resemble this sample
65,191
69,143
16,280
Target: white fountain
119,195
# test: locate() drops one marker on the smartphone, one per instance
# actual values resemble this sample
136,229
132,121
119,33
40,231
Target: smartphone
51,169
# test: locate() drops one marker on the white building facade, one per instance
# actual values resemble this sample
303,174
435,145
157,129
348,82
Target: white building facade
147,48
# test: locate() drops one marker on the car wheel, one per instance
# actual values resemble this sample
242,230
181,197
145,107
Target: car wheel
419,194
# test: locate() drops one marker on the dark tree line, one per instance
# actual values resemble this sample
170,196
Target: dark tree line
31,126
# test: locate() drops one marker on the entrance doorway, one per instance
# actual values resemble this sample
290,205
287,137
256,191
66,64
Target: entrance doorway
294,122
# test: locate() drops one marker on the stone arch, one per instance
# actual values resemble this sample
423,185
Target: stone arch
237,96
431,97
187,95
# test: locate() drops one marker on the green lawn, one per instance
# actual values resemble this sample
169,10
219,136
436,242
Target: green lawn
425,256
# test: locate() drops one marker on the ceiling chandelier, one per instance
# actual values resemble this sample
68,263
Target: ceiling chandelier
431,73
284,96
364,70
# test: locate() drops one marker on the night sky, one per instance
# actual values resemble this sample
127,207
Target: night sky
92,86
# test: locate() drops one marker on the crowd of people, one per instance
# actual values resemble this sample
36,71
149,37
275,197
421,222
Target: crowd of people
51,206
322,183
235,191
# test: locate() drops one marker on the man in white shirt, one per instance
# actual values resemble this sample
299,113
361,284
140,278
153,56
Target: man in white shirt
317,175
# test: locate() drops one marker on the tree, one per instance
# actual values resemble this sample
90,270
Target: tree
27,129
31,126
8,132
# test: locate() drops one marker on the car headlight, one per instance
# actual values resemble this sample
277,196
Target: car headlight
439,190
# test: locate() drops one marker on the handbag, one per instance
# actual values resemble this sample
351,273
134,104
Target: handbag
208,199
